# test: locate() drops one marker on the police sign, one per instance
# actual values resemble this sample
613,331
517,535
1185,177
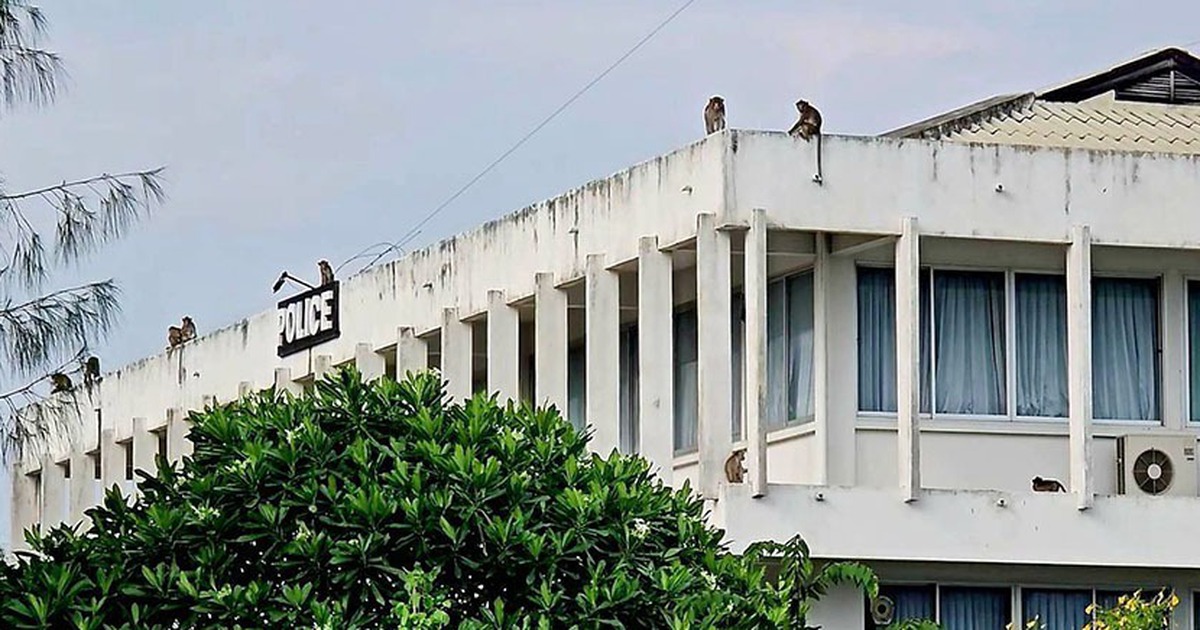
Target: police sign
308,319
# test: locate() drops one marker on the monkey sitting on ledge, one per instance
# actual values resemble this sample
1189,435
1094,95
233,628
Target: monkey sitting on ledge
735,472
1047,485
178,335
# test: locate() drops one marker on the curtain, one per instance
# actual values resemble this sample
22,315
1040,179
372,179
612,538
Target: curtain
577,387
969,342
1056,609
687,392
975,608
1194,349
800,347
777,355
1125,348
738,364
911,602
628,358
876,339
1041,323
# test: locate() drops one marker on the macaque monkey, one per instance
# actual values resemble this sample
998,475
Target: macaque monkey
61,383
807,127
735,472
178,335
91,371
714,115
326,272
1047,485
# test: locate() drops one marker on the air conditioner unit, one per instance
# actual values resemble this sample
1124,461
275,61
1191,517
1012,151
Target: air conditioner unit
1157,464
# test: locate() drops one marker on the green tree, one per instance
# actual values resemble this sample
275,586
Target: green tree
1132,612
382,505
48,332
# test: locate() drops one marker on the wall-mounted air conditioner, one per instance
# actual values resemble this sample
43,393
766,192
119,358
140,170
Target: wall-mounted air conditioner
1157,464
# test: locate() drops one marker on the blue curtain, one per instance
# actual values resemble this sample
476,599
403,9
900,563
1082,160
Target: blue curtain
1125,348
1056,609
876,339
577,387
975,608
1194,349
687,392
628,358
912,602
969,342
800,347
1041,323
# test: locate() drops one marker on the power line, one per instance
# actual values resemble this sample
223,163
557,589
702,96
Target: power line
458,193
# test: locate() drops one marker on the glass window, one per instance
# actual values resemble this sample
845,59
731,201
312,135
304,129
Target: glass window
1041,345
1194,348
968,315
790,330
1125,366
576,387
1056,609
877,340
964,608
909,602
687,390
628,358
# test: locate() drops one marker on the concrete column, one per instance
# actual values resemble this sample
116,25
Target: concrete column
27,504
601,345
369,363
322,366
456,355
715,346
821,359
908,358
112,461
656,348
83,484
145,447
1079,362
284,382
245,389
54,493
1175,410
178,446
503,342
550,343
755,290
412,353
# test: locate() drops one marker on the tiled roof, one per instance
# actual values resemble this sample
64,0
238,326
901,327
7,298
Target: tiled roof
1116,125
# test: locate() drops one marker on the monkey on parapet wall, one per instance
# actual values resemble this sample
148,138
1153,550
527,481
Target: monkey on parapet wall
179,335
1047,485
60,383
326,272
807,127
735,472
714,115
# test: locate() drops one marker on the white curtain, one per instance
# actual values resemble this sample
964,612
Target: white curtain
1125,348
777,355
969,342
687,390
800,347
628,357
1194,349
577,387
738,364
975,608
1041,324
1055,609
876,339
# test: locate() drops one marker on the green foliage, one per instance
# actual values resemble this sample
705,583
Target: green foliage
381,505
1131,612
913,624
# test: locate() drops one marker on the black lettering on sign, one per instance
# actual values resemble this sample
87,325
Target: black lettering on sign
308,319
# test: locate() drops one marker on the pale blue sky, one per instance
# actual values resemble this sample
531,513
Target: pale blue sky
296,129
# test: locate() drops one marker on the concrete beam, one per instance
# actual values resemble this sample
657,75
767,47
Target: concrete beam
656,348
715,345
503,343
145,447
412,353
457,361
54,493
601,345
245,389
284,382
83,485
821,328
550,343
1079,363
369,363
755,290
908,358
322,366
178,446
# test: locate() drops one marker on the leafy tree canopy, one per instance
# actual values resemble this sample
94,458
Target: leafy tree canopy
365,505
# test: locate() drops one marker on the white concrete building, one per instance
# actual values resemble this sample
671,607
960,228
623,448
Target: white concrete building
1005,292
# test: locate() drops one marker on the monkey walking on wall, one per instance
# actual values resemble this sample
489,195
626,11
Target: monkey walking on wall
181,334
1047,485
735,471
326,272
60,383
714,115
807,127
91,372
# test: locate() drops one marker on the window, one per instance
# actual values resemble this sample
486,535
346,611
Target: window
1125,349
1193,306
687,389
790,351
628,359
968,335
1056,609
1041,345
911,603
127,450
576,387
162,443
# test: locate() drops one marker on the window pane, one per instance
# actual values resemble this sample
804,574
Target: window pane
800,347
1125,348
576,387
909,603
876,339
686,384
628,357
975,608
738,361
777,355
1194,349
1056,609
969,342
1041,323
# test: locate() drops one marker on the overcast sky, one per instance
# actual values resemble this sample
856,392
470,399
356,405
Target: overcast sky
295,129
